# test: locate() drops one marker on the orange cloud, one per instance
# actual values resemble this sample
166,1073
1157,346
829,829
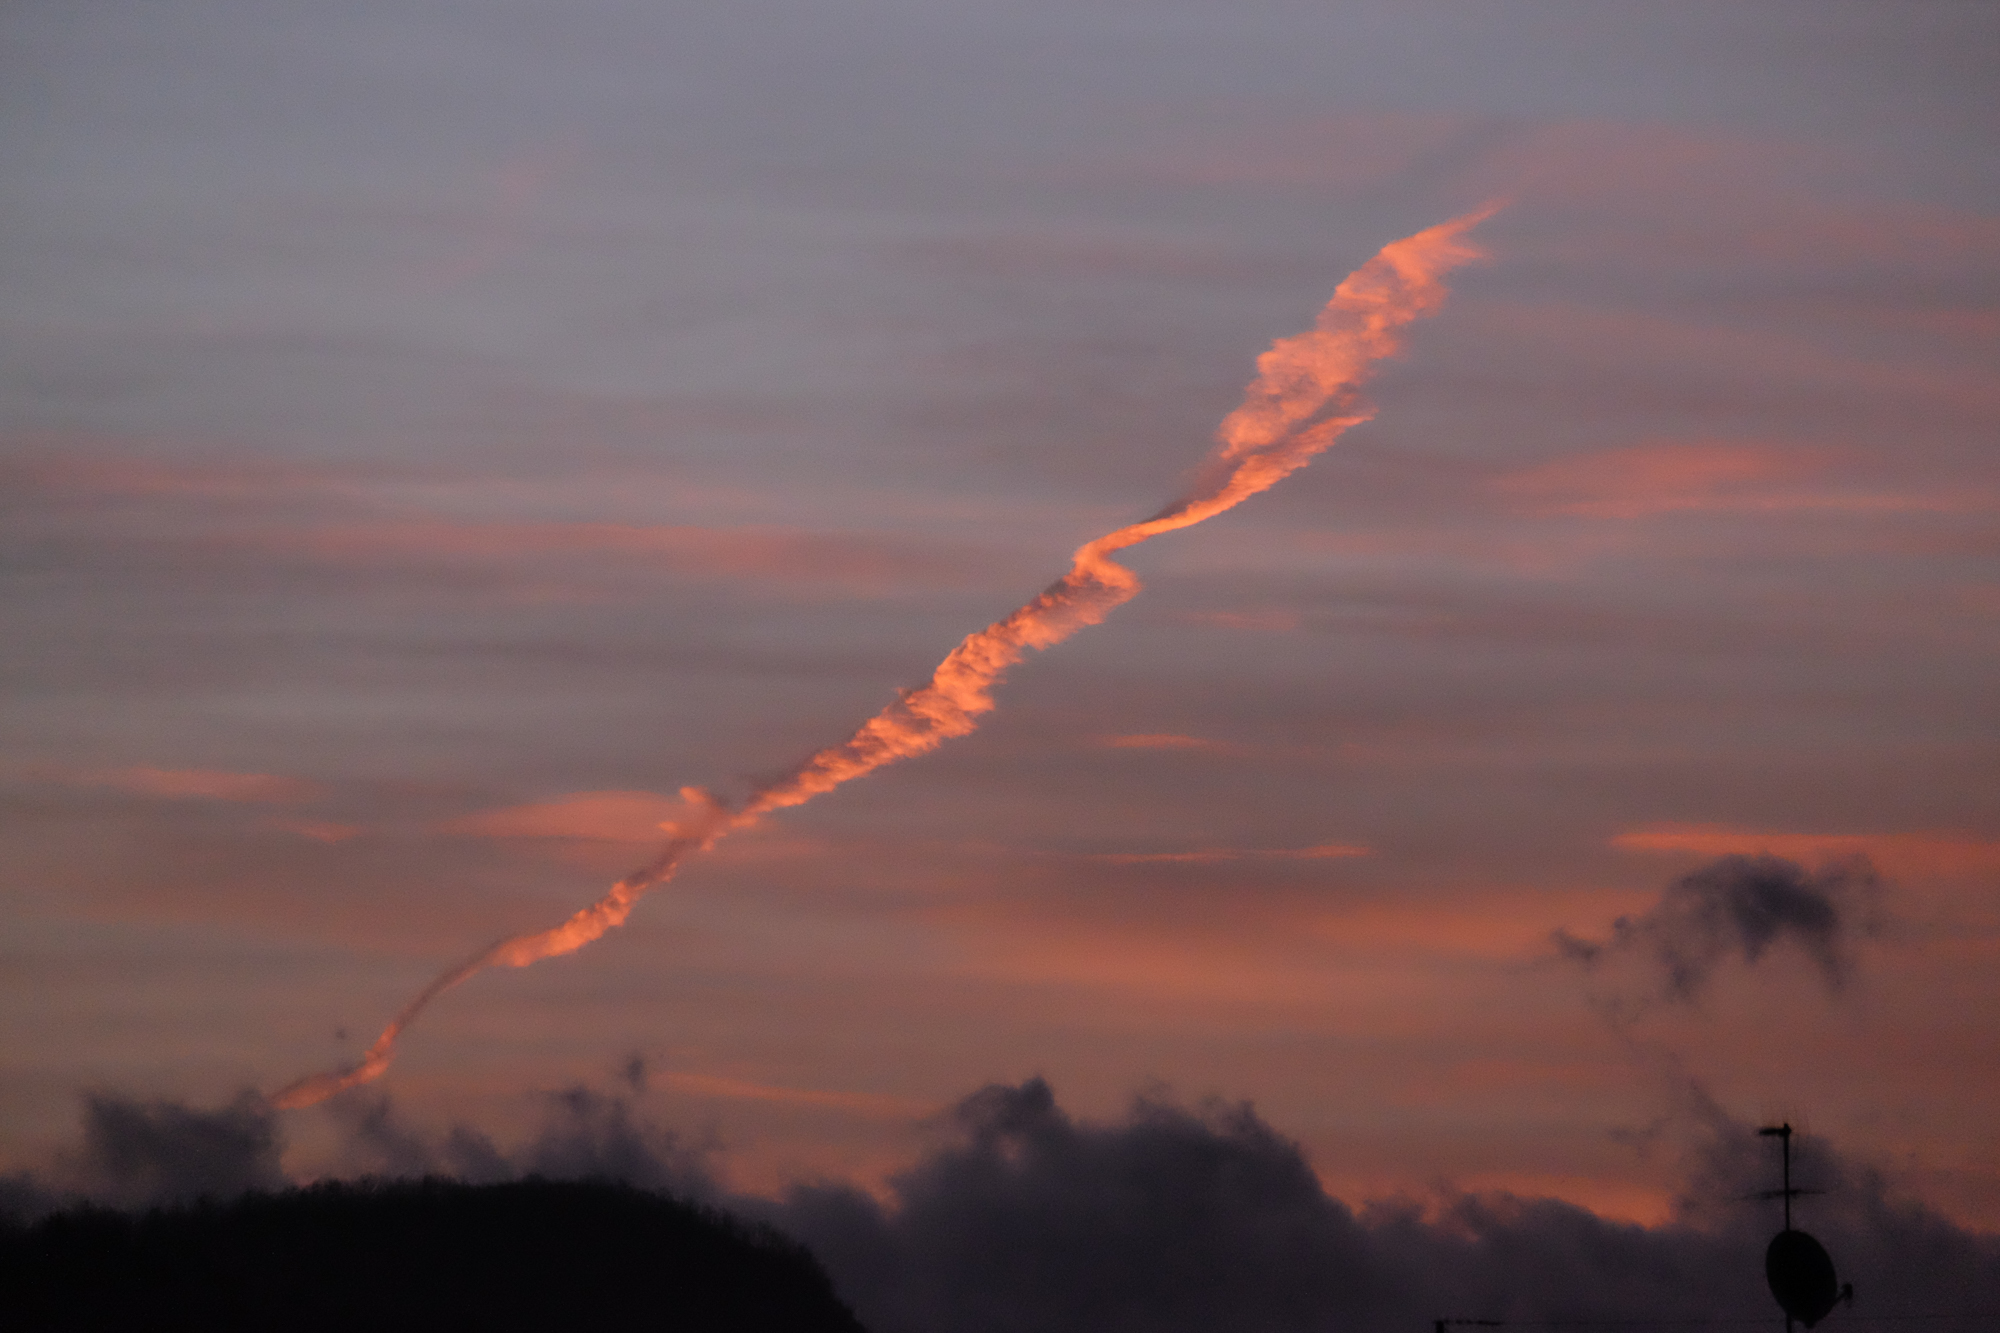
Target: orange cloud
1324,852
93,467
318,830
780,554
642,817
203,784
1505,924
1937,853
372,520
1274,620
872,1105
1654,479
1791,359
1162,740
1038,954
1375,958
1352,151
1713,476
499,229
1630,1201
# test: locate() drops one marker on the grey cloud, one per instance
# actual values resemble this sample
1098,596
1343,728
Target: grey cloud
24,1197
140,1153
595,1136
584,1135
1174,1220
1743,906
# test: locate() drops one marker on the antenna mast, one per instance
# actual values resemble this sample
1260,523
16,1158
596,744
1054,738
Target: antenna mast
1783,1133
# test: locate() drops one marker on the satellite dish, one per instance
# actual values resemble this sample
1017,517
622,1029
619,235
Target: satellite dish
1798,1268
1801,1275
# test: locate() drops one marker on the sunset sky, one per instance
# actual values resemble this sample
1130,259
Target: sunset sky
434,434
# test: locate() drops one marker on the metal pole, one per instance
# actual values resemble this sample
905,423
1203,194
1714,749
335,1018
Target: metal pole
1786,1139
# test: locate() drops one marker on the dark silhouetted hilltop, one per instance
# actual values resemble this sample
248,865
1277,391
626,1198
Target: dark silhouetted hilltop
433,1254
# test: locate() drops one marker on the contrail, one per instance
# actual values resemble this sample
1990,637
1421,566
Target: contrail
1304,396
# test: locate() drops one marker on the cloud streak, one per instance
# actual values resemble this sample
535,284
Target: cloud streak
204,784
1326,851
1938,853
1304,397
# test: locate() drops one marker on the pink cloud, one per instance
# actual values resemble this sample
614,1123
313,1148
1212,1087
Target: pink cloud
1795,355
1713,476
1347,150
229,510
1626,1200
640,817
1274,620
1653,478
1162,740
87,467
1669,191
769,554
1489,924
1927,853
319,830
202,784
1330,851
870,1105
499,229
1286,949
1148,965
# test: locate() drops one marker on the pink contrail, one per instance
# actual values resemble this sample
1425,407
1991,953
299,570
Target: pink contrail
1304,396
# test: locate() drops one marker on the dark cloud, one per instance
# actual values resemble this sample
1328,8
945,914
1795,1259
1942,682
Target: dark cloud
23,1198
1744,906
584,1135
593,1136
1174,1220
1179,1219
153,1152
143,1154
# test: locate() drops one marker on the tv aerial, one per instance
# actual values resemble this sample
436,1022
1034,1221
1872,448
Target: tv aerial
1796,1265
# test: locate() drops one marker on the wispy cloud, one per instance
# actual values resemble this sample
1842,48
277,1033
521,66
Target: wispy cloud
637,817
1165,740
319,830
205,784
1714,476
1923,853
1276,620
871,1105
1329,851
207,514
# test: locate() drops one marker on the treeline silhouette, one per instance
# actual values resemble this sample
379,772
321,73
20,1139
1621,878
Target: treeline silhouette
430,1254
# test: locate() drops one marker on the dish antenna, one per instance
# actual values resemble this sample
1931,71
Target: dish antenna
1797,1266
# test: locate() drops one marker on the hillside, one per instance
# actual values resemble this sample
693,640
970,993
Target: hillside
433,1255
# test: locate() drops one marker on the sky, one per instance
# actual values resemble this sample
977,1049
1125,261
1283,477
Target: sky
435,434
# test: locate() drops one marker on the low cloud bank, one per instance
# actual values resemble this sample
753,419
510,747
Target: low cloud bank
1172,1219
